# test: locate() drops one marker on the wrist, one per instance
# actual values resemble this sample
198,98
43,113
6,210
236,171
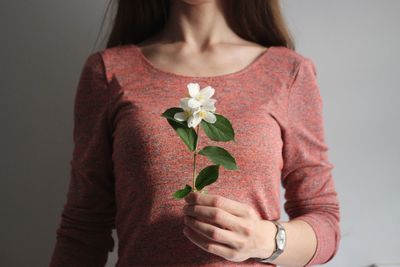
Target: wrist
266,239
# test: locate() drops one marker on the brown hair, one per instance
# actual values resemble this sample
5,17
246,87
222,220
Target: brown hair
260,21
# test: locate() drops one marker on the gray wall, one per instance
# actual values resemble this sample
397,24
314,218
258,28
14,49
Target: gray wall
353,43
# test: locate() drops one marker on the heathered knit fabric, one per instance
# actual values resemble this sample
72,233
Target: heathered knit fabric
127,160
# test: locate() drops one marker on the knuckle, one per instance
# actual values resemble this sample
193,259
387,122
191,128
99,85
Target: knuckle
240,244
214,234
247,230
217,202
250,212
217,216
210,247
195,223
195,198
193,209
214,215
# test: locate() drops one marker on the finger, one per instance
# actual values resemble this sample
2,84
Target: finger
216,216
214,233
208,245
229,205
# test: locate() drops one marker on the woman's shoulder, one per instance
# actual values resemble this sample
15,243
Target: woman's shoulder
112,59
289,60
116,52
290,55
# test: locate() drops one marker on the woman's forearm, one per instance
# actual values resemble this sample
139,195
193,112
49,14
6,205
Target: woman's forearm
300,246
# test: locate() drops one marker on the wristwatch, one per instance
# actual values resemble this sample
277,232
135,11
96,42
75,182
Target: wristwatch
280,242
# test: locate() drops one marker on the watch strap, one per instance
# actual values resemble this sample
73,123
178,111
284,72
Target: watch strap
280,242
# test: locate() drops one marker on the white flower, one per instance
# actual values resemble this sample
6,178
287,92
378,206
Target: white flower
187,111
200,97
203,113
197,107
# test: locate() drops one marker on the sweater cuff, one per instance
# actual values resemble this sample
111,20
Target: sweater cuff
326,243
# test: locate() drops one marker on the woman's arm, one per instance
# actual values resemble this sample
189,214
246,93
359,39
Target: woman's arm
313,232
84,234
300,245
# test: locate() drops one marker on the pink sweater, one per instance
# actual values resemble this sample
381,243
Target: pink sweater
127,160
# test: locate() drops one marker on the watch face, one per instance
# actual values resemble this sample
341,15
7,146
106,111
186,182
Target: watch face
281,239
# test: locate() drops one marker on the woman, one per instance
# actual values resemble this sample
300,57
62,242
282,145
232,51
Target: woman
127,160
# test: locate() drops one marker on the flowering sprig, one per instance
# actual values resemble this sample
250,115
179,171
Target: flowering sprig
199,109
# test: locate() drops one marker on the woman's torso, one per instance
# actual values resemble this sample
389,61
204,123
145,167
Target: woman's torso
151,162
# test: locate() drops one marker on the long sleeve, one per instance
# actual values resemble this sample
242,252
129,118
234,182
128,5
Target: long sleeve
84,233
306,175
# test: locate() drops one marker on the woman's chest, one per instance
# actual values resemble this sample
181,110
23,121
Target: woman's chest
148,154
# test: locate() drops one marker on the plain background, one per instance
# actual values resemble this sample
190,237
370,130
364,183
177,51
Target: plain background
354,44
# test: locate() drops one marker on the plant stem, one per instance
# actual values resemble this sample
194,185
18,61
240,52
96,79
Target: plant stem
194,159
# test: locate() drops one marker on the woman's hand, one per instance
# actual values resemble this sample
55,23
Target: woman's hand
227,228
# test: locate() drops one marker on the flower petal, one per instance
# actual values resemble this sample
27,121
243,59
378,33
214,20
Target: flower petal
195,110
180,116
193,103
193,89
194,120
209,106
210,117
207,92
184,102
212,100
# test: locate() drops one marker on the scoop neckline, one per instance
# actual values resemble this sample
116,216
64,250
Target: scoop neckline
242,71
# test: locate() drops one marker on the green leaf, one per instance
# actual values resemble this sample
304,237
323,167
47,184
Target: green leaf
207,176
182,192
169,114
220,130
219,155
188,135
